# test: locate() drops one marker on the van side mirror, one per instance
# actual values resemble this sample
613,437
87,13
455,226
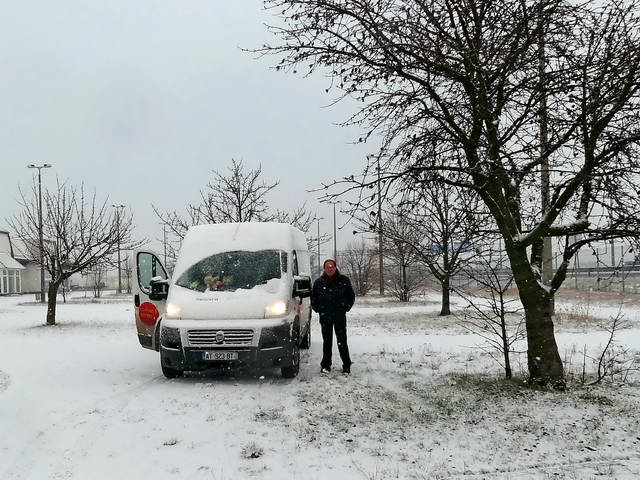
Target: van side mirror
159,288
302,286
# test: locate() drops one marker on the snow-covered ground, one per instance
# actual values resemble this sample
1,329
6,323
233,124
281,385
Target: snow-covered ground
83,400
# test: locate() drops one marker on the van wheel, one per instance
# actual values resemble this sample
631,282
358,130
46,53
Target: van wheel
305,343
292,370
171,372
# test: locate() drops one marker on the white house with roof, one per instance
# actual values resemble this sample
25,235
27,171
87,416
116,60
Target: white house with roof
31,273
11,270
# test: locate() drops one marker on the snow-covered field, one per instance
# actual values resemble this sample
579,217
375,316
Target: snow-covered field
82,400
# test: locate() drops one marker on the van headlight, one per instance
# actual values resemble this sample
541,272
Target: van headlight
173,310
276,309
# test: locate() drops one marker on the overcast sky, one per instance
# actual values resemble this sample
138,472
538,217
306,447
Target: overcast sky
141,100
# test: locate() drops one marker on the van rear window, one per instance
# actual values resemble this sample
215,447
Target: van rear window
229,271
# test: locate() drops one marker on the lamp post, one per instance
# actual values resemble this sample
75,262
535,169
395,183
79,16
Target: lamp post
40,234
118,208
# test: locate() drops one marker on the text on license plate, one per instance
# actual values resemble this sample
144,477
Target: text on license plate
219,355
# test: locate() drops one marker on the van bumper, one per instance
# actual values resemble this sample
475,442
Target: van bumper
273,348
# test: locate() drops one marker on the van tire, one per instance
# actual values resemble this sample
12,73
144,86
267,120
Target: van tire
171,372
292,370
305,343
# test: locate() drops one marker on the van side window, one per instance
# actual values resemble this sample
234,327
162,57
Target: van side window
294,262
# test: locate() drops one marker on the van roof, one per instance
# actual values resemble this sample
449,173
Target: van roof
202,241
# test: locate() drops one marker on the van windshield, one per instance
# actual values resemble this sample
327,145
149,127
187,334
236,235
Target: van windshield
229,271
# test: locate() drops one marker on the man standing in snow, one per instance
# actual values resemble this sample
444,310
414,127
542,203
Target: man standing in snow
332,297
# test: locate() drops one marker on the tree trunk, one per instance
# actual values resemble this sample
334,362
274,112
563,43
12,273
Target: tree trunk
505,342
544,362
446,287
545,365
405,290
51,306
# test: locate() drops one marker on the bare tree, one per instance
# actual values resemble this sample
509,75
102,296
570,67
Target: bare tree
240,195
127,270
236,197
445,223
79,233
491,312
358,261
456,89
397,240
98,274
615,360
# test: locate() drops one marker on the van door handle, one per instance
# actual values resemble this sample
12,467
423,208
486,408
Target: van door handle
136,300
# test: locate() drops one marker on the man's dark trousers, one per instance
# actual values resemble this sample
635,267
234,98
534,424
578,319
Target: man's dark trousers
328,324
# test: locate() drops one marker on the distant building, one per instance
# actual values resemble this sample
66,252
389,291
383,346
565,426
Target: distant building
27,256
29,272
11,270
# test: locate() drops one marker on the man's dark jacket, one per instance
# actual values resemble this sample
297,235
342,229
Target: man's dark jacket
332,298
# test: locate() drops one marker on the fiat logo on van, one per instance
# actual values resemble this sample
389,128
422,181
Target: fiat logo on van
220,337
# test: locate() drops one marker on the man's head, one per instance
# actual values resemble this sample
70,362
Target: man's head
330,268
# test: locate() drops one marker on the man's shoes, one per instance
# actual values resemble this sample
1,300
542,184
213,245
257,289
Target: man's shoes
346,370
325,370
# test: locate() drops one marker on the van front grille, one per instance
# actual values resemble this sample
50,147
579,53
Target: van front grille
207,338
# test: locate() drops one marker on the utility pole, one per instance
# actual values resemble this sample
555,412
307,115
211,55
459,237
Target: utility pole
40,234
335,248
613,245
613,254
380,261
319,266
547,252
118,208
164,243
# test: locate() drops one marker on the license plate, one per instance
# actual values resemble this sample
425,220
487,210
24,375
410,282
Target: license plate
219,355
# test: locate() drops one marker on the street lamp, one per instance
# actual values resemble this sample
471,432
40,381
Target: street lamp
40,235
118,208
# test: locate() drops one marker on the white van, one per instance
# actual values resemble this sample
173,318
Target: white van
239,295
